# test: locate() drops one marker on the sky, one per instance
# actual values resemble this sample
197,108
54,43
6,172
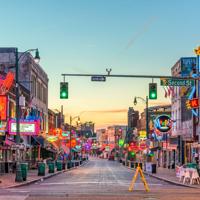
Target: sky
143,37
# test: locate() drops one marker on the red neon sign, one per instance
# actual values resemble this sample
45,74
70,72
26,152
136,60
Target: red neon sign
6,84
3,107
192,103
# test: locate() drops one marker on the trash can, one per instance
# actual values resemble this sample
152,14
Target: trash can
132,164
24,169
59,165
41,169
63,165
51,166
68,165
153,166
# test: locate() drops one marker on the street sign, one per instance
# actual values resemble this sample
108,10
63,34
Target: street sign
176,82
98,78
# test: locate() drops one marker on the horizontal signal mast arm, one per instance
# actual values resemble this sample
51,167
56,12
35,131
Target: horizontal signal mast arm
135,76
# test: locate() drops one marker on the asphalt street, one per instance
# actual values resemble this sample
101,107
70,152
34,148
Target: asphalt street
98,179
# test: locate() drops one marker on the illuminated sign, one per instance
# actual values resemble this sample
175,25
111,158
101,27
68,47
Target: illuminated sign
192,103
143,146
3,128
121,142
143,135
163,123
3,107
52,138
26,127
133,146
6,83
57,131
65,134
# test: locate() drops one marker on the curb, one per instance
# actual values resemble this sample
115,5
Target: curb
45,177
164,179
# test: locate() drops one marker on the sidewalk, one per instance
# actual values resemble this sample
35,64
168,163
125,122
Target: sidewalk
168,175
8,180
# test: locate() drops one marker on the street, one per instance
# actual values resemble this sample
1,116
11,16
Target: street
99,179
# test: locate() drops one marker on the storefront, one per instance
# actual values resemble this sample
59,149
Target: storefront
195,152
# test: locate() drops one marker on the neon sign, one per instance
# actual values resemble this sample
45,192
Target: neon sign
3,107
6,84
52,138
163,123
192,103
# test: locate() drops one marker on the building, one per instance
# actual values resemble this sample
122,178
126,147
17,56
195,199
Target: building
133,117
33,91
87,129
185,128
161,144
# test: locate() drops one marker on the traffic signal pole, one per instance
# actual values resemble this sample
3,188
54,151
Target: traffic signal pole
147,117
132,76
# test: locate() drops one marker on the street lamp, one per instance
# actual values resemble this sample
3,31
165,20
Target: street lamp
197,52
70,136
147,113
18,177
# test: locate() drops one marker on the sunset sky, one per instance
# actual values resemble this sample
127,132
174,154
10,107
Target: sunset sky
88,36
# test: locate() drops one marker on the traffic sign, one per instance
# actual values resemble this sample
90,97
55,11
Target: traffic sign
176,82
98,78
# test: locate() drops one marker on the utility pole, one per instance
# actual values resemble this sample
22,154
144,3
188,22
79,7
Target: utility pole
147,117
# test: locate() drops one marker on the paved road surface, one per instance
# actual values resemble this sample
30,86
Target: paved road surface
99,179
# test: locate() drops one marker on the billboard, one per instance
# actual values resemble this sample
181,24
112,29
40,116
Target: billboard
26,127
187,66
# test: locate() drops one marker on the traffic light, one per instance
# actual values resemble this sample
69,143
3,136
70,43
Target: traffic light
152,90
63,90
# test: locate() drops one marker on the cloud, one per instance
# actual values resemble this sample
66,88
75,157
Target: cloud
109,111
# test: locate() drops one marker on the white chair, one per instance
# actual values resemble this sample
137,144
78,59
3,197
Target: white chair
186,176
195,177
181,174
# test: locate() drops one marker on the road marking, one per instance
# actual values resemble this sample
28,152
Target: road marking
17,190
16,197
95,182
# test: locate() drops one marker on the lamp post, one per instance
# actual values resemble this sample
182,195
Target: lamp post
18,177
197,52
70,136
147,113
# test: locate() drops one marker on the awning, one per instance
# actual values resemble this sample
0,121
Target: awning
9,142
75,150
102,149
155,148
37,140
